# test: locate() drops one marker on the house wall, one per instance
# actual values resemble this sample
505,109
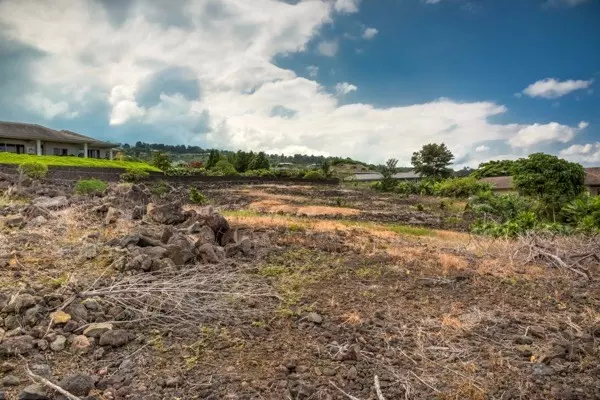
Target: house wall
594,190
29,144
72,149
48,147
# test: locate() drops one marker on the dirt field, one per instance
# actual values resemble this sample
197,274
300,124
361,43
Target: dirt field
354,285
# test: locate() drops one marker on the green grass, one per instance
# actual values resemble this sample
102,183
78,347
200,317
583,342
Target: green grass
11,158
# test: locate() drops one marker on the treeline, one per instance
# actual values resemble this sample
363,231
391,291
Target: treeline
143,151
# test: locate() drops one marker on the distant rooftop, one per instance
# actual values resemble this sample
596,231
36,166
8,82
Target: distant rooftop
18,130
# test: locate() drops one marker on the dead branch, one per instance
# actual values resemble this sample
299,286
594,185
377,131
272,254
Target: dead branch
576,253
378,388
186,297
41,380
342,392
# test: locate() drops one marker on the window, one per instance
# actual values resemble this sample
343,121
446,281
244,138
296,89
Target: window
61,152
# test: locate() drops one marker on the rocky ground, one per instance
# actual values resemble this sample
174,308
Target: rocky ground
279,292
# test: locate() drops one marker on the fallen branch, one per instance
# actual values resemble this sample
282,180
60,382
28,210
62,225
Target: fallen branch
186,297
378,388
43,381
344,393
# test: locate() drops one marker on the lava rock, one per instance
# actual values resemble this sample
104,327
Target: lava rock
77,384
16,345
115,338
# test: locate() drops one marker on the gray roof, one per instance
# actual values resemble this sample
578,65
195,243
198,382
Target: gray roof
18,130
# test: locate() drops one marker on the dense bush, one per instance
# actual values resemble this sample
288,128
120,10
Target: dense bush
583,213
33,170
460,187
196,197
501,208
179,171
134,175
224,168
90,187
263,173
552,180
314,175
161,160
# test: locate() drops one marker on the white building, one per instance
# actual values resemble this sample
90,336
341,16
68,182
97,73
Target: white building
38,140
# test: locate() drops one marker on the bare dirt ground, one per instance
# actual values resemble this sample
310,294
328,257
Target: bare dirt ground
333,291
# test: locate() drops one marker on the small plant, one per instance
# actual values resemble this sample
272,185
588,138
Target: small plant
160,188
420,207
134,175
33,170
196,197
90,187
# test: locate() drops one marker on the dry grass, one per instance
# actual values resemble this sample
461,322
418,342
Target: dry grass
272,206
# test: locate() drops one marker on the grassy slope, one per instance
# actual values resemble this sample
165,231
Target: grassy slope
11,158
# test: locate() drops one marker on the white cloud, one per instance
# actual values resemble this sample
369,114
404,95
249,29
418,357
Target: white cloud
369,33
346,6
229,47
328,48
587,153
313,71
48,108
124,106
344,88
553,132
432,1
551,88
482,148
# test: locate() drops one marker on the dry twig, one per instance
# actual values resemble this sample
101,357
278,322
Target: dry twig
185,297
41,380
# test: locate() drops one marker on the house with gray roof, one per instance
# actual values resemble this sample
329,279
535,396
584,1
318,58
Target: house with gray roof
20,138
504,184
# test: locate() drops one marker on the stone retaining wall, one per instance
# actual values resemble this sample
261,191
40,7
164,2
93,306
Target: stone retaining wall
113,175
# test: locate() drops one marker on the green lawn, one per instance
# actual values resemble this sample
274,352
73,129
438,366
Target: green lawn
11,158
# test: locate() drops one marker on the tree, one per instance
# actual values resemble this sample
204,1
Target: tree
326,168
259,161
161,160
433,161
550,179
213,159
494,168
388,171
242,161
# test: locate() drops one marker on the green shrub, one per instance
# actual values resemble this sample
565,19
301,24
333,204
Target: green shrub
522,223
460,187
260,173
314,175
224,168
160,188
90,187
134,175
33,170
196,197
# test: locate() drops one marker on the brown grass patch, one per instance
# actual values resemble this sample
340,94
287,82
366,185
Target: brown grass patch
451,263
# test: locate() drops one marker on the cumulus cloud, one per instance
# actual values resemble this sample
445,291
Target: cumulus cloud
346,6
328,48
344,88
482,148
583,153
369,33
139,62
551,88
553,132
48,108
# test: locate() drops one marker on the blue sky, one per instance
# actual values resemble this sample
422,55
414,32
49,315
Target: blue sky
366,79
